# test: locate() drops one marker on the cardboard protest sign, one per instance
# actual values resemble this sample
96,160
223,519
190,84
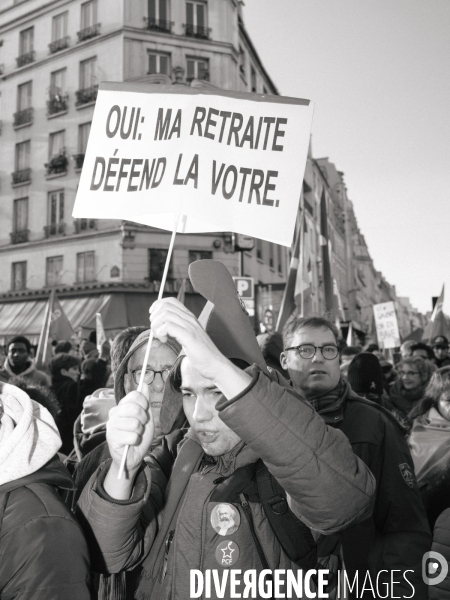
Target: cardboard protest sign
387,325
234,161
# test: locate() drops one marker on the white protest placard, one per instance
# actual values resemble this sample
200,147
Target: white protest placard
387,325
233,161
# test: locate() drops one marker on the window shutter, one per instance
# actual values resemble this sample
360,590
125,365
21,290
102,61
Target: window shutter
163,10
152,9
189,13
164,64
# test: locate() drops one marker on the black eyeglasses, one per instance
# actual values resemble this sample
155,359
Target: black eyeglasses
329,351
149,375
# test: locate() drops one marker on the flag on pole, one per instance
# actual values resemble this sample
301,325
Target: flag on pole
350,334
100,330
303,285
288,305
56,326
326,264
438,323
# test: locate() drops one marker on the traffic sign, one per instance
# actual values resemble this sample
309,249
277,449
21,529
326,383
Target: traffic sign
245,287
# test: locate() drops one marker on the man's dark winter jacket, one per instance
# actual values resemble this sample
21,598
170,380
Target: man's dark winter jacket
397,535
71,394
43,553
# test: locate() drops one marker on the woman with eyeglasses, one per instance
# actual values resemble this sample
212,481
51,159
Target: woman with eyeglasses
429,443
408,389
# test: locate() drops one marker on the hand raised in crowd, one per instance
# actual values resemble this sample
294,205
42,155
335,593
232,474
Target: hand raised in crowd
170,317
130,424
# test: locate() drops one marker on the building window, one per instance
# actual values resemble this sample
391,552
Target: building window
88,81
60,39
56,154
157,261
253,79
197,68
85,267
58,100
199,255
158,63
26,45
89,26
24,114
19,276
271,257
55,220
242,61
20,217
22,171
20,221
280,260
158,16
83,136
53,270
196,20
259,249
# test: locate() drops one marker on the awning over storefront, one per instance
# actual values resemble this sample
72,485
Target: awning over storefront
118,310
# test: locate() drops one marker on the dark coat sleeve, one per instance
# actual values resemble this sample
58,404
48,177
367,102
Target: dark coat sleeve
45,559
399,526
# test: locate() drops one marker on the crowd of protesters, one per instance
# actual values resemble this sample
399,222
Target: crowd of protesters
354,448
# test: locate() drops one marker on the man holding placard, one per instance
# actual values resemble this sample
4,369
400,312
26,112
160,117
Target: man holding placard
240,422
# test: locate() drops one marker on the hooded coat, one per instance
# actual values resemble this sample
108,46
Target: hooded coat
30,373
166,525
43,553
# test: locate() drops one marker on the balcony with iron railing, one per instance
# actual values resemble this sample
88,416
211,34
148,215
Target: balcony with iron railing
57,103
55,229
58,45
57,164
87,95
21,177
197,31
79,160
19,237
153,24
25,59
89,32
23,117
81,225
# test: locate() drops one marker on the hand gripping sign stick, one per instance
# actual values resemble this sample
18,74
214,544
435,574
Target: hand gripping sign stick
150,339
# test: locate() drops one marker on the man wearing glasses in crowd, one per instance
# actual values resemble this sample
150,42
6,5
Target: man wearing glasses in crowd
396,537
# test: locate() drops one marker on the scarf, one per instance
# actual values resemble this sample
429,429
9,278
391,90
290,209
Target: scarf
29,437
330,404
404,400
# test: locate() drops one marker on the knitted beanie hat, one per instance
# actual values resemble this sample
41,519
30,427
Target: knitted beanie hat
365,374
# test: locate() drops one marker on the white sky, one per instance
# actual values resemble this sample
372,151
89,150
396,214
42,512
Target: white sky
378,72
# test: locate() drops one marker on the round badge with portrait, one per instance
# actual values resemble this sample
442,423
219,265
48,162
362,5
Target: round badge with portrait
225,519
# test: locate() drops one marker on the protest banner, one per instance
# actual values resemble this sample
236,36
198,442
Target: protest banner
234,160
205,160
387,326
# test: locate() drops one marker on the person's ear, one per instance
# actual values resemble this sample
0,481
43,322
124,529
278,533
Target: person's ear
283,361
65,372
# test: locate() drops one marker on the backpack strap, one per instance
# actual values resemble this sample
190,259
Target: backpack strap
294,536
